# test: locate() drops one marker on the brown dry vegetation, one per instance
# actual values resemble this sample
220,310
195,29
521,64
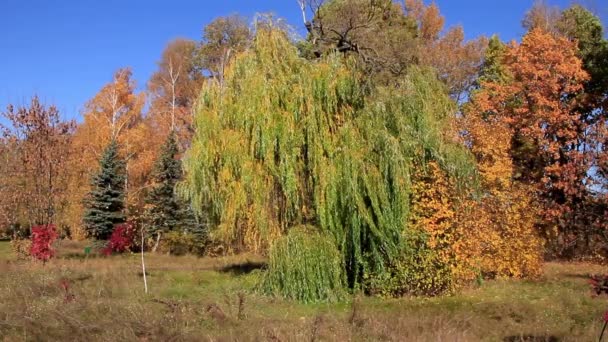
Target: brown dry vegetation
213,299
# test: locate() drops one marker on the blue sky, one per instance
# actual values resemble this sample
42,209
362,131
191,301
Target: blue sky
65,51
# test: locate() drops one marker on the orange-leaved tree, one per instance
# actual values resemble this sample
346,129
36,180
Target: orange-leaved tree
535,109
457,61
173,90
498,234
34,150
115,112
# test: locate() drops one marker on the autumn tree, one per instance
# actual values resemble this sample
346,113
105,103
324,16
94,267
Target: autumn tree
173,89
116,108
222,40
542,16
376,32
387,37
460,67
586,29
549,135
498,233
538,107
104,205
11,213
35,155
114,113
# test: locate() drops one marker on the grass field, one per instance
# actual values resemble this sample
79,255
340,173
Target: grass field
192,299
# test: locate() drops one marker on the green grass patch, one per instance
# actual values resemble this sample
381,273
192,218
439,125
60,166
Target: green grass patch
5,250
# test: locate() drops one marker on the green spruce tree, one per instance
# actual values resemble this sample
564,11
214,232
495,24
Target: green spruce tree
105,203
493,70
167,212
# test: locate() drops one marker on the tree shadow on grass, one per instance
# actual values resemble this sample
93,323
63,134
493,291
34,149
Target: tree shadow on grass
80,278
79,256
242,267
577,276
531,338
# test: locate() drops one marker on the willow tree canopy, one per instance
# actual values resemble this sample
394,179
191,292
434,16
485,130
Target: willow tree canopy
285,142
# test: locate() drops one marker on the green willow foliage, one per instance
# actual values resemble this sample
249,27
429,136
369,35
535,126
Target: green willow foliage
285,142
305,266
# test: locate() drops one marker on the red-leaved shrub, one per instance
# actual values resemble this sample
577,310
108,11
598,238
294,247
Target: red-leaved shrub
121,240
599,283
68,296
43,237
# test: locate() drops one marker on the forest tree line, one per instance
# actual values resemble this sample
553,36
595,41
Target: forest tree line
396,154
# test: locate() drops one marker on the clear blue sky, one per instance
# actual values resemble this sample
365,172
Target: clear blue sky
66,50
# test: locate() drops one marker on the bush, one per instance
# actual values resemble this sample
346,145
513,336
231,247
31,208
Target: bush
21,248
419,271
180,243
306,267
599,284
121,240
43,237
17,231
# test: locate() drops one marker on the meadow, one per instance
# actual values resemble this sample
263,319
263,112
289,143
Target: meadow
371,148
92,298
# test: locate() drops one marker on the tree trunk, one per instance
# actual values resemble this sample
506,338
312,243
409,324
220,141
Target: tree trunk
143,265
157,242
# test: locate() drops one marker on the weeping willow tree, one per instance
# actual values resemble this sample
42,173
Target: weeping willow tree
284,142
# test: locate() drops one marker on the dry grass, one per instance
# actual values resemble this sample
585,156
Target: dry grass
213,299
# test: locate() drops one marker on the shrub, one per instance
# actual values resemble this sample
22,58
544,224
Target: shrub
21,248
180,243
17,231
418,271
43,237
306,267
498,236
599,283
121,240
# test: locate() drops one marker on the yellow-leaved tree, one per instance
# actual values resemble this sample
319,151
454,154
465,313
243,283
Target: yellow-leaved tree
115,112
499,236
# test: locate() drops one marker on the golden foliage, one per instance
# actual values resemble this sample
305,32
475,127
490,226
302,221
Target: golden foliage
116,111
498,236
538,107
493,236
21,248
458,68
173,89
433,209
526,125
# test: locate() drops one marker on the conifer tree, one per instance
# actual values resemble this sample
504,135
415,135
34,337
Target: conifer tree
105,203
493,68
166,211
